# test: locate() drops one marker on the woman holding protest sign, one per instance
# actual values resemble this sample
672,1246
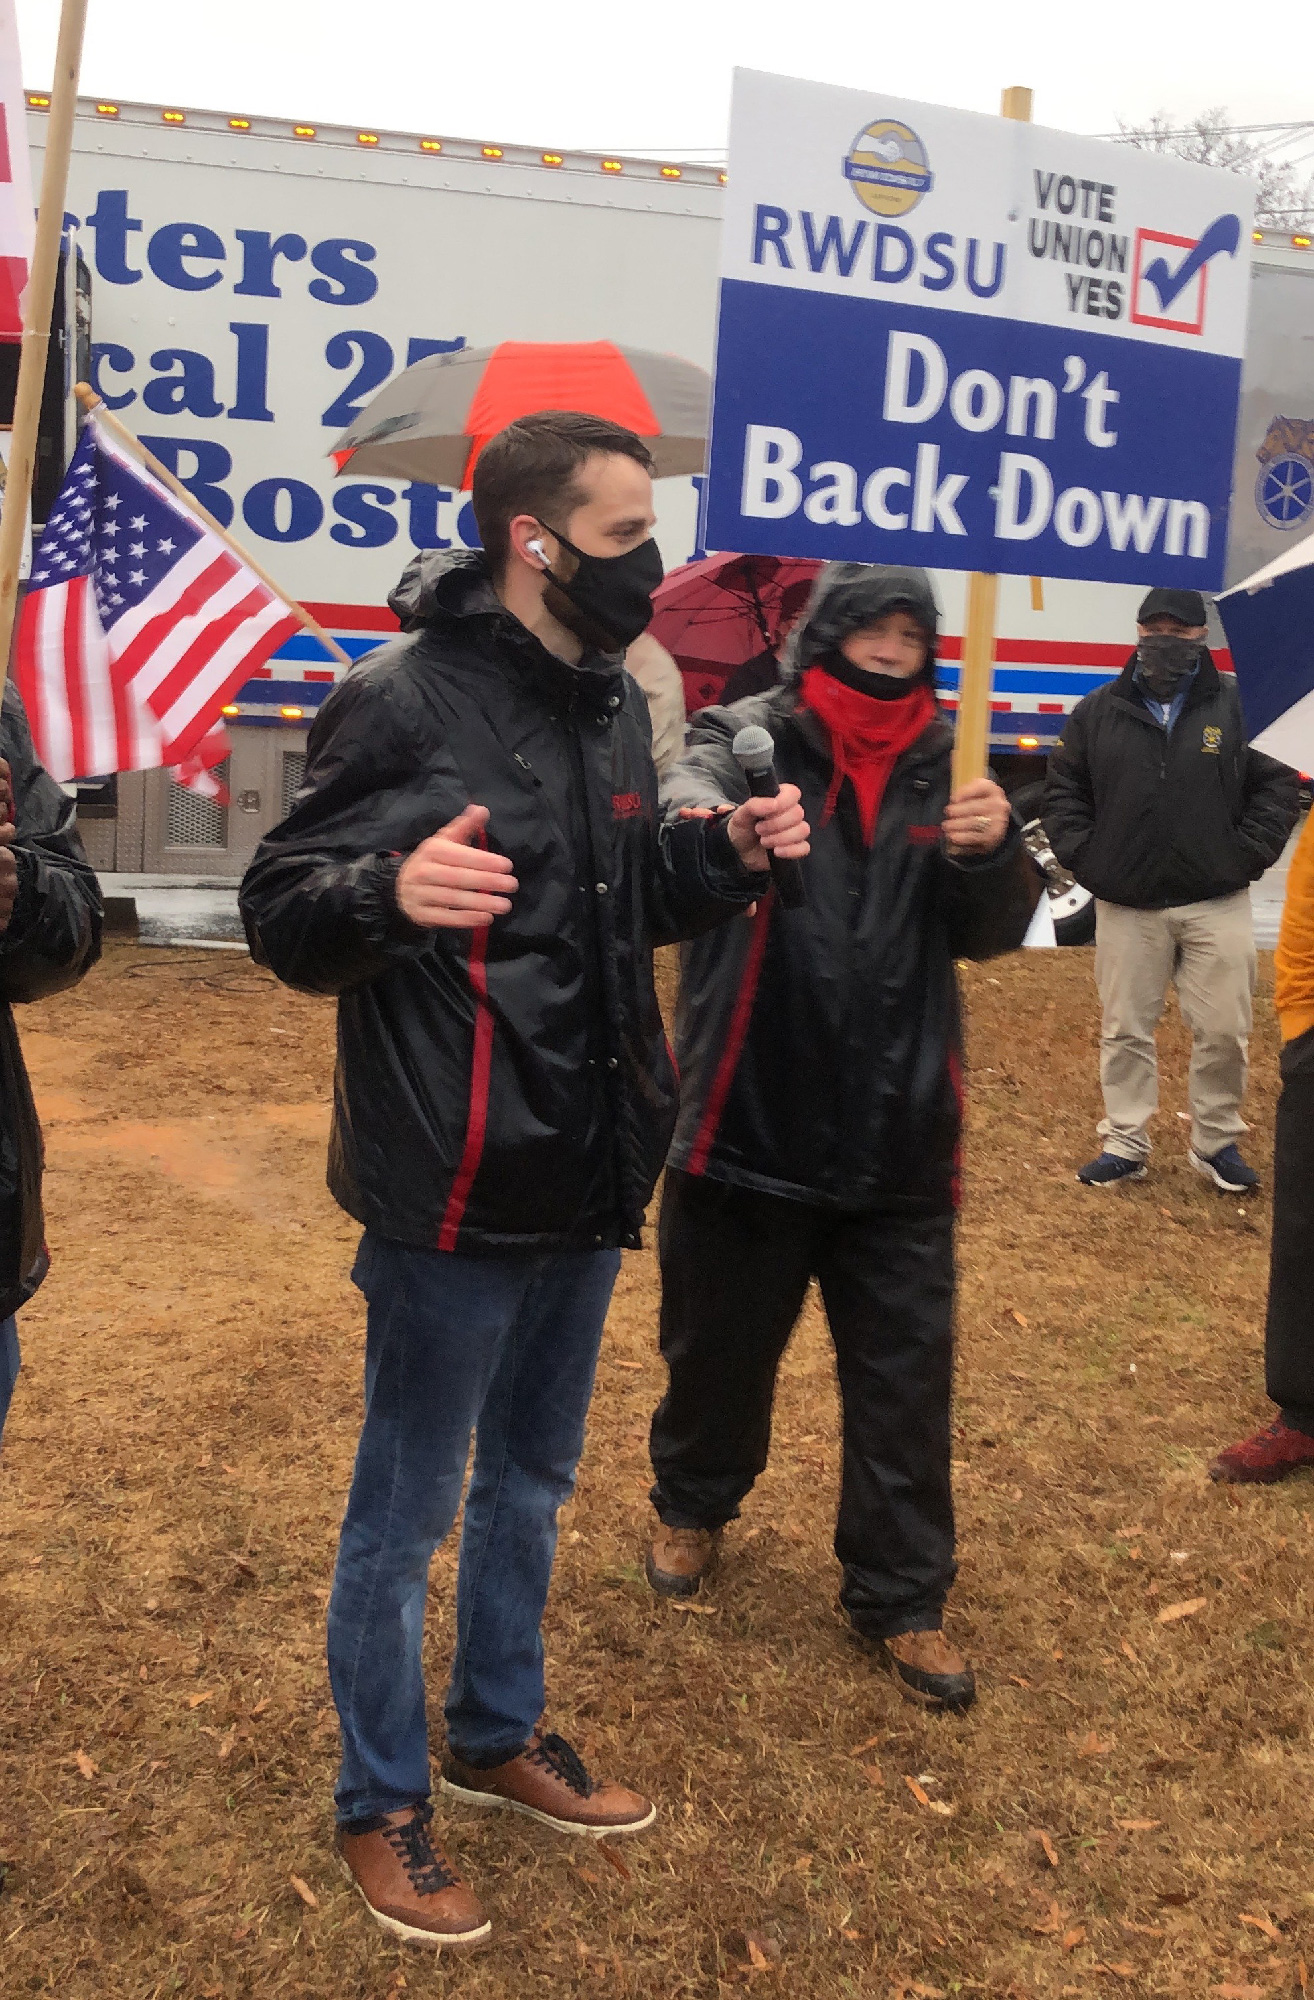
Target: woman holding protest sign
820,1067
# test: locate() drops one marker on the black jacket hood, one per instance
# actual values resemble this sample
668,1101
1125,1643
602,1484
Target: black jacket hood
847,596
456,582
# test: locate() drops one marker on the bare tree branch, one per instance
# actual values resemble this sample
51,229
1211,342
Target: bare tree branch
1286,198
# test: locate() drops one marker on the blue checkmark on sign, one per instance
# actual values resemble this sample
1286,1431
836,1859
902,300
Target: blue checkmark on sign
1221,235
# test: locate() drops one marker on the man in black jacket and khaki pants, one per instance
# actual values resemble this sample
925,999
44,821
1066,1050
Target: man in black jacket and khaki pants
476,869
1160,808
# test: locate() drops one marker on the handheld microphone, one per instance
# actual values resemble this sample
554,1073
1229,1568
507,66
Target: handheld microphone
755,754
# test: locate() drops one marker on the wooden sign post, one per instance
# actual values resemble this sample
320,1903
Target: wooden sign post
38,307
972,730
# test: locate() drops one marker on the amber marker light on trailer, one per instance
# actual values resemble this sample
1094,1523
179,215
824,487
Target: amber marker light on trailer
107,110
38,101
1028,743
1257,236
239,124
303,131
554,160
491,152
174,117
611,167
431,145
672,173
291,714
367,138
1301,242
230,708
723,178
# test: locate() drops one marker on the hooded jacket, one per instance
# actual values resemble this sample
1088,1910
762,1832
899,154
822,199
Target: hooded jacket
1154,818
52,939
511,1088
820,1048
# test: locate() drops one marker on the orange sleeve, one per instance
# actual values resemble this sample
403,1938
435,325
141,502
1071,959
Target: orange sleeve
1294,963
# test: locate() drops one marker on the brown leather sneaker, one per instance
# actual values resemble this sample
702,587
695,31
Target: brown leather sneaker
928,1669
409,1886
548,1782
679,1558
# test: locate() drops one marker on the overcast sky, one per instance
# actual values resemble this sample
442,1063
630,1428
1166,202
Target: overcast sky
609,74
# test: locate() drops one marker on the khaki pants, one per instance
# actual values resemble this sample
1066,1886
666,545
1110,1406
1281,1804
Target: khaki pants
1206,950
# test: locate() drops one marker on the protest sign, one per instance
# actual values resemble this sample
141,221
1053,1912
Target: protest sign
970,343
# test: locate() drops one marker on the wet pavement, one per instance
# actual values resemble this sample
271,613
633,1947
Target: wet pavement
177,910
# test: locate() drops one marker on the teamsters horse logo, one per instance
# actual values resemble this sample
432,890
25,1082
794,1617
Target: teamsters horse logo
1284,490
888,167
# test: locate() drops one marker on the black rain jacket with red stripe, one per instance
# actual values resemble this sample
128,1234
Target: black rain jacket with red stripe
506,1089
52,940
820,1048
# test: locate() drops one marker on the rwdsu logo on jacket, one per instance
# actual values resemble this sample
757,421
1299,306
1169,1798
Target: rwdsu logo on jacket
511,1087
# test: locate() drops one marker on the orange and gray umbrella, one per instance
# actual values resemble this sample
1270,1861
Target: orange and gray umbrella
433,420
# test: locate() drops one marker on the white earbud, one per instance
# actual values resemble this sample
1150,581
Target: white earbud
537,549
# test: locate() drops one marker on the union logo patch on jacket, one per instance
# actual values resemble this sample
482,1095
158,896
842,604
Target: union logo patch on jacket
1212,744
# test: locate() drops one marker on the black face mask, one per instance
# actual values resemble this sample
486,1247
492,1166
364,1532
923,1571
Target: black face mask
1163,661
881,687
608,601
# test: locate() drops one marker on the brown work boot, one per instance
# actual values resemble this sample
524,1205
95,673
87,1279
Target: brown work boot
679,1558
547,1782
409,1886
928,1669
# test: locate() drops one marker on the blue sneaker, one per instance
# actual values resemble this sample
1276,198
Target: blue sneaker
1227,1170
1109,1169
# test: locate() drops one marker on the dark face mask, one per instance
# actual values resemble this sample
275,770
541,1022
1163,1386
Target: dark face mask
881,687
1163,662
608,601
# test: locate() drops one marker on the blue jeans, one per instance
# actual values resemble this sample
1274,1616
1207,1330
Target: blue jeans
8,1365
505,1347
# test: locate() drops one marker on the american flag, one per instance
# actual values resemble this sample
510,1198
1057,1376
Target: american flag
138,624
16,219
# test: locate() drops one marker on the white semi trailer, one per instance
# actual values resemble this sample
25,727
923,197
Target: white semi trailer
253,282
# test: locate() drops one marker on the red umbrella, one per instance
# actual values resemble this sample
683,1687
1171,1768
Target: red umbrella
432,421
728,612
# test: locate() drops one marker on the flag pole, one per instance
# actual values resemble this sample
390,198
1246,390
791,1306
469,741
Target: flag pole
40,300
972,725
94,407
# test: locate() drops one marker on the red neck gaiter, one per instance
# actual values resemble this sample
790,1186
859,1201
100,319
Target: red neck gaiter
867,737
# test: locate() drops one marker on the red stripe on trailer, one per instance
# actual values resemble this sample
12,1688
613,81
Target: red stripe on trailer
354,617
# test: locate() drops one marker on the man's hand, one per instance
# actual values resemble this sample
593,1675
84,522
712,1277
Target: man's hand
763,827
449,883
8,870
976,818
6,794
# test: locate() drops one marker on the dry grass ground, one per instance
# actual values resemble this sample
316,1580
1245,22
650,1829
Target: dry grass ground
1128,1810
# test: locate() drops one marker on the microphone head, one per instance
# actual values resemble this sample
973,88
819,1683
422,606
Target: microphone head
753,749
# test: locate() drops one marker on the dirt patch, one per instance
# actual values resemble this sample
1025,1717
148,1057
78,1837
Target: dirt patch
1128,1810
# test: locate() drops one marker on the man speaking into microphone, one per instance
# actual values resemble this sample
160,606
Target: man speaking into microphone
476,868
820,1107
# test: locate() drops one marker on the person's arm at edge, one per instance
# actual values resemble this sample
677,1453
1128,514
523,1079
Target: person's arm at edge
1293,964
53,936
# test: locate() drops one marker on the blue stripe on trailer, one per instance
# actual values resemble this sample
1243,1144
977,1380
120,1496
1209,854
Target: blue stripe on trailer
305,646
1043,682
